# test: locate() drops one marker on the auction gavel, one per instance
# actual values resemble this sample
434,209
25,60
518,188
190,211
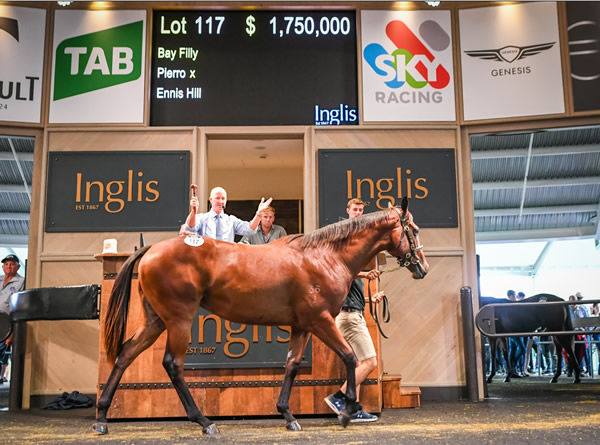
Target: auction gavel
193,188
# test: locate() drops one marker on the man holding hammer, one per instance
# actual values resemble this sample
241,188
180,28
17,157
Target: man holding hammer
216,223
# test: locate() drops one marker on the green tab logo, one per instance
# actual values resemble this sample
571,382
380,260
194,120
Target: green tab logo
98,60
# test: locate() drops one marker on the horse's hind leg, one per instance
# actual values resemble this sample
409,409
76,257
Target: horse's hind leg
566,342
504,342
141,340
297,344
177,342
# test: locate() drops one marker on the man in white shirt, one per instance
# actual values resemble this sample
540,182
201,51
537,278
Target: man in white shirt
216,223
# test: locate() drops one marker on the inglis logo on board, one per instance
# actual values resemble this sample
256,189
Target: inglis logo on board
98,60
412,62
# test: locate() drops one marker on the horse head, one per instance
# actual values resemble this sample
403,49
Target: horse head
407,247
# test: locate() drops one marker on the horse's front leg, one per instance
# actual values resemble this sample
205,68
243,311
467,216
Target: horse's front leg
506,353
329,334
297,345
492,344
559,359
177,341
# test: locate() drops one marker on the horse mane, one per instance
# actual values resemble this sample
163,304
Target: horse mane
336,234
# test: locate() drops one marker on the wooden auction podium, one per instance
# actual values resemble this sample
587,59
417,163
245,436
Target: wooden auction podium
146,391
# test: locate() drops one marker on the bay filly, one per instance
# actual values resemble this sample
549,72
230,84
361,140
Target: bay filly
299,280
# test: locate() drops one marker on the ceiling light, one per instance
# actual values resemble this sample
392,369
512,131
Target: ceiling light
433,4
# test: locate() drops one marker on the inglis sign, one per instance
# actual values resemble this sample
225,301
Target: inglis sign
218,343
384,176
125,191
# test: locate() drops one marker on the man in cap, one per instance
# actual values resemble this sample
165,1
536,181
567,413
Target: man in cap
11,282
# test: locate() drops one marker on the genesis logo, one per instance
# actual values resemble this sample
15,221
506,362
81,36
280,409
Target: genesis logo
11,26
510,53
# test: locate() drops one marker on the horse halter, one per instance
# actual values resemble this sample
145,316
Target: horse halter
409,257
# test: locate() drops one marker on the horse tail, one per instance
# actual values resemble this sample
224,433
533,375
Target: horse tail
115,321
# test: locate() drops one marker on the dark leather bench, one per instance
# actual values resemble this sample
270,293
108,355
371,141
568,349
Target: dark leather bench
46,303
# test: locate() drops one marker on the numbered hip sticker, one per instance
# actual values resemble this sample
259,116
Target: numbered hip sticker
193,240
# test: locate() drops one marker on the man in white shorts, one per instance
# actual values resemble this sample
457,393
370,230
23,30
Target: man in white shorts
351,323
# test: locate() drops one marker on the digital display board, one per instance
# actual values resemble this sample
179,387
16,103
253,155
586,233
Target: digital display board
254,68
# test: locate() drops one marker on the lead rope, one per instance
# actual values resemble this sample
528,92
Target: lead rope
385,311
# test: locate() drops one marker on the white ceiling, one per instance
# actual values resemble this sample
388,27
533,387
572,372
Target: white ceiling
255,153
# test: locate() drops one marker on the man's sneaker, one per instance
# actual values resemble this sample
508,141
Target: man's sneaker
362,416
336,405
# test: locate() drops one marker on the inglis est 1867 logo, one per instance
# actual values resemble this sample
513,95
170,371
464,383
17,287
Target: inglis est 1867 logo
411,62
98,60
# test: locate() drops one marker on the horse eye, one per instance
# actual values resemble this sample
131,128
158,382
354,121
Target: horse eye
416,231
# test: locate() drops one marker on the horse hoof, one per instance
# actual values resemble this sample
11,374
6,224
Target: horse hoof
344,419
211,430
489,380
100,428
553,380
294,426
577,380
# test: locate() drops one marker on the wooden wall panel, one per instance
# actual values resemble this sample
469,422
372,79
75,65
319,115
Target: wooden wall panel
63,356
59,347
250,183
394,137
119,139
439,239
89,244
71,273
425,339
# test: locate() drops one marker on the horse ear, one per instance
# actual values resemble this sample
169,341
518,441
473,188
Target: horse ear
404,204
390,206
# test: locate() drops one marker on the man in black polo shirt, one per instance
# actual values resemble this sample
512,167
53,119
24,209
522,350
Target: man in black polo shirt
353,327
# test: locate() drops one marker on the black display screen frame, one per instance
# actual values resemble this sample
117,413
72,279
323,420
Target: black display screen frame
262,79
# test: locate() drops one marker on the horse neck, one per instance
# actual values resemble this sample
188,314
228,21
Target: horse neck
363,245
